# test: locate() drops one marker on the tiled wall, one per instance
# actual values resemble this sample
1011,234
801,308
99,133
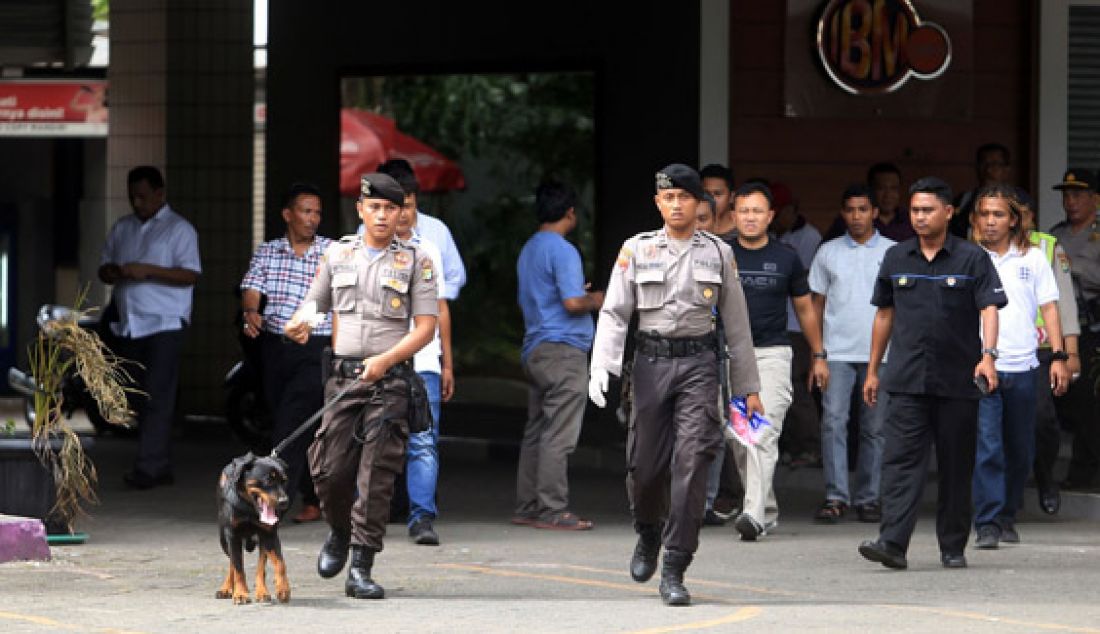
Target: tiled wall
181,99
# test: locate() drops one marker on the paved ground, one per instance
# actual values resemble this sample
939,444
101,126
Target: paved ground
153,562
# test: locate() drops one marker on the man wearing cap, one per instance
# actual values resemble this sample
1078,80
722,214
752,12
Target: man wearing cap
373,284
1079,234
935,293
674,278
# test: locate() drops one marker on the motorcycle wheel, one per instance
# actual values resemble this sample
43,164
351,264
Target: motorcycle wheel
249,419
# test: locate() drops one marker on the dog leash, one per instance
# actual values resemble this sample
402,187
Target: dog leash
313,419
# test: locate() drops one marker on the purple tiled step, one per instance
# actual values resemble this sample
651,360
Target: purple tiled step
22,538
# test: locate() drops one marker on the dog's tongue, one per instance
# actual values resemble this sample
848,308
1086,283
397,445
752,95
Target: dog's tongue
267,514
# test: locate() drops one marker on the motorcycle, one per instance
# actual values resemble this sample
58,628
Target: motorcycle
74,393
246,409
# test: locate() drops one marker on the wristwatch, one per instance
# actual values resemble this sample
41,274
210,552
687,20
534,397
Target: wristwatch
993,352
824,354
1059,355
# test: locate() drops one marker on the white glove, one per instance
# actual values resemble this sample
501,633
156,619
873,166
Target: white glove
597,387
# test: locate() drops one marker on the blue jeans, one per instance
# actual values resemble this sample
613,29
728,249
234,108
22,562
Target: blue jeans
1006,448
836,403
422,470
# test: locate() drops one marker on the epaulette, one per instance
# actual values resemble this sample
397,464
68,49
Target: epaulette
348,239
647,234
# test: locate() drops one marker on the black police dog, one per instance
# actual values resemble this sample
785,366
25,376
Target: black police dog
251,495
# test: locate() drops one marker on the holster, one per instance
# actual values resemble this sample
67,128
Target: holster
420,412
326,364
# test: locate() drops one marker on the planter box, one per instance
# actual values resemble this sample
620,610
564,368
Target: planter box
26,487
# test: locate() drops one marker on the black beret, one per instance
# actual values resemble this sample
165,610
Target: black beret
680,176
375,185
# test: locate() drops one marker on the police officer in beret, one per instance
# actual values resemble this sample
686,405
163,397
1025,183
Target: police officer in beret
674,278
373,284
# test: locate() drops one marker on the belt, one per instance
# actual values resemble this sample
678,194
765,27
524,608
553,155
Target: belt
674,347
350,367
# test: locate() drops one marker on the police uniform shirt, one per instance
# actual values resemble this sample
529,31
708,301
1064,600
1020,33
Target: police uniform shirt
1083,249
373,295
675,286
935,342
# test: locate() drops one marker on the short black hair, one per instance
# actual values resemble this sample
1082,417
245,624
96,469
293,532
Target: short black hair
932,185
146,173
755,187
299,189
992,147
882,168
715,170
858,190
402,172
552,200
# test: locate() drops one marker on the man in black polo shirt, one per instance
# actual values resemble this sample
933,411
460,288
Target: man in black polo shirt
932,293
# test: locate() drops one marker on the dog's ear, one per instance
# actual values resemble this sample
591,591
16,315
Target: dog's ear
235,470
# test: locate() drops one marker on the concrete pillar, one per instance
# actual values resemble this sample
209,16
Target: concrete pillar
181,91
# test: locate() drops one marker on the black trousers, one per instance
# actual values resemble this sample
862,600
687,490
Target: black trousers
1048,433
158,377
673,437
1080,406
802,426
292,382
913,423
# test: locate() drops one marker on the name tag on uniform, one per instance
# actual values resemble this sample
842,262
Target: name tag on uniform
649,276
348,278
401,286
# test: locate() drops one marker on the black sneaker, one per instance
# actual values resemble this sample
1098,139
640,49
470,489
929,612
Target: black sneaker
1009,534
421,533
749,528
710,518
989,538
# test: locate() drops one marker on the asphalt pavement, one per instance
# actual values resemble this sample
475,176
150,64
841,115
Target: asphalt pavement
153,562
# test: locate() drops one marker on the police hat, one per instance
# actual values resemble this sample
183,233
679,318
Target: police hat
680,176
1078,178
375,185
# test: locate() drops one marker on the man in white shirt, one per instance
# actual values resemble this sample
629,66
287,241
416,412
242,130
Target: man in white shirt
434,365
1006,417
152,259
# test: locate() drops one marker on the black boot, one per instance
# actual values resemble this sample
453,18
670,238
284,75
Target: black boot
359,584
334,554
673,591
644,562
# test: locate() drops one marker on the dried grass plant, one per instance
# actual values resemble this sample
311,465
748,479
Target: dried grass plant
61,346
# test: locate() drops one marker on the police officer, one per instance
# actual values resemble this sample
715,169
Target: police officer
674,277
373,284
1079,234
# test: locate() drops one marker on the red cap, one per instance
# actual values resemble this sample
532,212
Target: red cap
781,196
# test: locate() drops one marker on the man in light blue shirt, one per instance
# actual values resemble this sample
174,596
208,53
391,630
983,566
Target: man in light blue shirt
558,335
842,279
152,259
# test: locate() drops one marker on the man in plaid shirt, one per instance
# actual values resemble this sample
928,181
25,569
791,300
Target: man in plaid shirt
283,269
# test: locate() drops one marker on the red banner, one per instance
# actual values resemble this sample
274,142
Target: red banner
67,107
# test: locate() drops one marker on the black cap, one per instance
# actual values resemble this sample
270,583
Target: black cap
382,186
680,176
1078,178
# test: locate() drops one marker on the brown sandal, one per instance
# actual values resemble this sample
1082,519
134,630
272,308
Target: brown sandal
564,521
831,511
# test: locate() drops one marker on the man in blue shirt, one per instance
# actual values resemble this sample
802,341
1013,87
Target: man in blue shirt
558,335
842,278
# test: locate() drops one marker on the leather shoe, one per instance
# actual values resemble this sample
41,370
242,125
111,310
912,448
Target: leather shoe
140,480
309,513
1009,534
949,560
881,553
1050,500
333,555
